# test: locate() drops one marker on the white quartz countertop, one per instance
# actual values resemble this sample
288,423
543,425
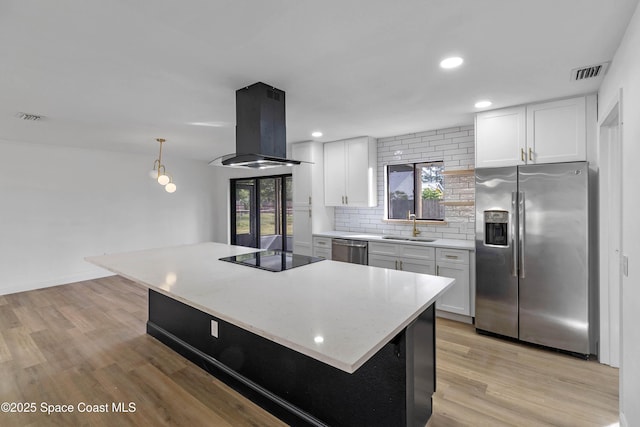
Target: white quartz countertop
438,243
335,312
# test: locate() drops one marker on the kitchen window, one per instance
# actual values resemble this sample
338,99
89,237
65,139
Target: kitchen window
415,188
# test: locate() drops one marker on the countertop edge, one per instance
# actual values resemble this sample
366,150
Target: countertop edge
468,245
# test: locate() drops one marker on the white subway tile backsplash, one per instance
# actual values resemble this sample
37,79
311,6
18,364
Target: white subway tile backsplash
426,133
449,130
431,138
455,146
459,134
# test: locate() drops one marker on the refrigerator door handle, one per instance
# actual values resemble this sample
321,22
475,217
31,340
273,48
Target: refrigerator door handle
521,233
514,241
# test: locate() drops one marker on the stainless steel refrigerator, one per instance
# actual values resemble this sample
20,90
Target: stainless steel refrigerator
534,255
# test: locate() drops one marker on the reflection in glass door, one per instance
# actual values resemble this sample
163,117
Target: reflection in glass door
263,213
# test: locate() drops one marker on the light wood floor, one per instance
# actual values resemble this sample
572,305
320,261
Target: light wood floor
86,343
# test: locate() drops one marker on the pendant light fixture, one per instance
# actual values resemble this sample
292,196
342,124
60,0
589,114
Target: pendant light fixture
159,172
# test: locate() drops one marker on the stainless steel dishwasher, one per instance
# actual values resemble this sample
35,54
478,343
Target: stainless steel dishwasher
353,251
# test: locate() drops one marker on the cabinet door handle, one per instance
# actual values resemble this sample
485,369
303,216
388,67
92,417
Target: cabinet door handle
530,154
522,156
401,266
321,242
437,270
396,264
451,256
343,200
346,200
309,200
309,213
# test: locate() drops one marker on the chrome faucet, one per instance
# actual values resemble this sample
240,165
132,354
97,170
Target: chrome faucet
415,231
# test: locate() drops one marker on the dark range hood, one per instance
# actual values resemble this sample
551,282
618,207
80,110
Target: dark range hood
261,136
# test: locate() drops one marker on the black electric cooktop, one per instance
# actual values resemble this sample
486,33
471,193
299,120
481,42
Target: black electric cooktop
272,260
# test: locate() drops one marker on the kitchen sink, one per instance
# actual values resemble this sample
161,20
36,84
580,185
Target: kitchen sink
412,239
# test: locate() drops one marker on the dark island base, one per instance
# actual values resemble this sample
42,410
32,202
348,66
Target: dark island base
393,388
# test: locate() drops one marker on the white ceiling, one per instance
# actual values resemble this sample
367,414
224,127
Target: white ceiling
116,74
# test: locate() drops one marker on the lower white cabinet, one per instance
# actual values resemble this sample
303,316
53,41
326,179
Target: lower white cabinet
322,247
417,259
454,263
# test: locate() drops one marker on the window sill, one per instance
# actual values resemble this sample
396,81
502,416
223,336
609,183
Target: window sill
418,221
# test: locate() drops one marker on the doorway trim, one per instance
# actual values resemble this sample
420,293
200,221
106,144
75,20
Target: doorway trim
610,230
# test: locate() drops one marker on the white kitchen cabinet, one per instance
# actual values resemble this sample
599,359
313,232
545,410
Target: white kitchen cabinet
500,137
383,261
350,172
417,259
556,131
446,262
309,212
547,132
454,263
322,247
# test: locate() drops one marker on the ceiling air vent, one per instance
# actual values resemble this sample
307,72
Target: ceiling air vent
589,72
29,117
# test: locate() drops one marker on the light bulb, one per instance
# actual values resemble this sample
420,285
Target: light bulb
163,179
153,174
170,187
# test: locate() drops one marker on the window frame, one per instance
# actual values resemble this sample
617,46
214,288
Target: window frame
417,190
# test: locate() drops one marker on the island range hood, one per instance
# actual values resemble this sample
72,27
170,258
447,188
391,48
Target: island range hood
260,129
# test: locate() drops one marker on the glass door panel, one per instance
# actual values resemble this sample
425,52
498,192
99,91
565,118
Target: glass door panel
288,218
245,233
270,234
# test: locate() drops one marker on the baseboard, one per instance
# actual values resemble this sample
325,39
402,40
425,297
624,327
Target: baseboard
454,316
263,397
12,289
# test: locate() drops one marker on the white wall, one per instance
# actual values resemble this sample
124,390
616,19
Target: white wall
625,73
59,205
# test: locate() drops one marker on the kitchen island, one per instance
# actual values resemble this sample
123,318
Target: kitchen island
327,343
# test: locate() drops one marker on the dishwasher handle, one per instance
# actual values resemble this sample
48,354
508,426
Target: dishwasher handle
349,243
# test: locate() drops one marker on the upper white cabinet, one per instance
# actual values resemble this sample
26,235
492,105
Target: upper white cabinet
309,212
548,132
350,173
500,137
556,131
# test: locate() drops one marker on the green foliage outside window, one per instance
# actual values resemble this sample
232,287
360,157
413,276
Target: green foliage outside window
431,194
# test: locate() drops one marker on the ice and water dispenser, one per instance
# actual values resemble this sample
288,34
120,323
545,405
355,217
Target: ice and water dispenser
496,224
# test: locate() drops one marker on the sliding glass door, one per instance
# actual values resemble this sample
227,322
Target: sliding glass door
262,212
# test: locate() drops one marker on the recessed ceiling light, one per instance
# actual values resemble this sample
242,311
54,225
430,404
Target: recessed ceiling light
483,104
316,134
453,62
